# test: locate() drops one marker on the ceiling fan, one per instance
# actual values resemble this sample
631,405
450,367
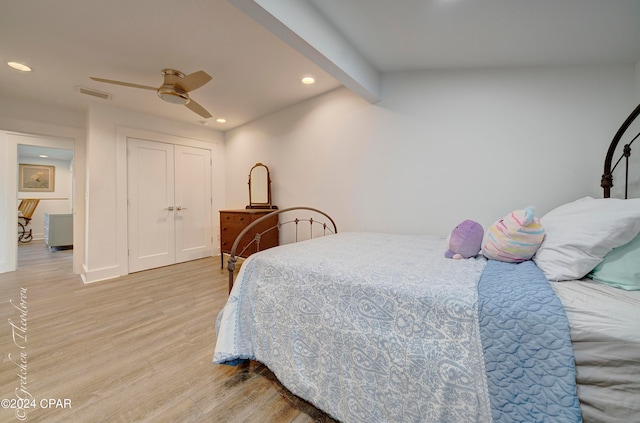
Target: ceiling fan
175,89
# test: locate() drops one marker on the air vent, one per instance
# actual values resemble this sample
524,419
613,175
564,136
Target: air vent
95,93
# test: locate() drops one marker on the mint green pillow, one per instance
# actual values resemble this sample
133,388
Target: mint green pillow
621,267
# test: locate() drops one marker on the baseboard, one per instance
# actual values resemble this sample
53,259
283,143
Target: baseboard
97,275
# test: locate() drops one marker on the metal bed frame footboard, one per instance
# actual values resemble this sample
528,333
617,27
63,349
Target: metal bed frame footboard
607,177
330,228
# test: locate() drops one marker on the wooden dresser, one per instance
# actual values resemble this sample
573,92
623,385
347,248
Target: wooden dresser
232,222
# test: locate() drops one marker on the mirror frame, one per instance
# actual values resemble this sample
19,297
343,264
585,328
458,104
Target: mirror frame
256,205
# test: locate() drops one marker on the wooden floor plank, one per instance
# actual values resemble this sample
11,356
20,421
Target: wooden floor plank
133,349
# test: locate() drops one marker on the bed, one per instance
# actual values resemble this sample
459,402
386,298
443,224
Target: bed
380,327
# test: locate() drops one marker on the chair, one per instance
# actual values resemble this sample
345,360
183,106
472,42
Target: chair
25,212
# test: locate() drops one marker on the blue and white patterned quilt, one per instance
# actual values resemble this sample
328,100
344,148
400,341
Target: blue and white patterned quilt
382,328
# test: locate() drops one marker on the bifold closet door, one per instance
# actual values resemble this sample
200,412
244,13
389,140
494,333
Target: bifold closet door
169,210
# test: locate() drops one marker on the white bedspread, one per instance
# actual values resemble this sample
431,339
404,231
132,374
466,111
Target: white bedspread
369,332
605,332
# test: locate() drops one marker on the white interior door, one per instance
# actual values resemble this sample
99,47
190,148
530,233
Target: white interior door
193,203
169,213
151,185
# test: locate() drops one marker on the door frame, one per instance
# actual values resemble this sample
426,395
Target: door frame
47,135
123,133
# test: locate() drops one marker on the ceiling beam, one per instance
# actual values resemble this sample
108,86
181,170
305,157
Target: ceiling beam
299,24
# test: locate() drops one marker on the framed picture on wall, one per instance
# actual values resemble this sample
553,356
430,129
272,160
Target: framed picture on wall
36,178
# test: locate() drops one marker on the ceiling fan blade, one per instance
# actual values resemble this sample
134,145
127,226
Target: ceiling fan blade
194,81
197,108
126,84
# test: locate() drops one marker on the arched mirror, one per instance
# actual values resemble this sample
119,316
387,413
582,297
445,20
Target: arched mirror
260,188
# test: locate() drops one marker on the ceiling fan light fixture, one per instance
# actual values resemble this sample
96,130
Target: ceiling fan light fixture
173,94
175,88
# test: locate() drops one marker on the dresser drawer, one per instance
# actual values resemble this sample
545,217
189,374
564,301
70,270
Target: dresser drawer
230,230
227,237
238,218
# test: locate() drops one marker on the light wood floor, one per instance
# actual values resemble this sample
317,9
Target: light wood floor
133,349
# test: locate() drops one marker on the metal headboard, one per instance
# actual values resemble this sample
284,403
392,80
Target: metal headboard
332,229
607,177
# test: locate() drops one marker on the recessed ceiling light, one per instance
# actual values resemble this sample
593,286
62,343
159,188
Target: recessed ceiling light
221,120
44,156
19,66
308,80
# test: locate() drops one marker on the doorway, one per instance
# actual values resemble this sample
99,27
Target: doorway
169,203
56,197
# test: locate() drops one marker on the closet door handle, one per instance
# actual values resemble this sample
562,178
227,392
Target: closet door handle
181,208
170,208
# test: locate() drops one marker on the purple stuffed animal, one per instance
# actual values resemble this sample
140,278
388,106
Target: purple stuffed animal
465,240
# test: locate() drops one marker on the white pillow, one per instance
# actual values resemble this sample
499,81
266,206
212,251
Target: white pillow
581,233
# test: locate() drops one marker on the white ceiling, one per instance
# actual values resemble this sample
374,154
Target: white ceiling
257,71
67,41
436,34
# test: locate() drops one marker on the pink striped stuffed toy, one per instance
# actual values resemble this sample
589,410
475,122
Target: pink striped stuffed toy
514,238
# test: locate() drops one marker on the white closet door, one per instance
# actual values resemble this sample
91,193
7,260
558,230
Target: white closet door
151,185
193,203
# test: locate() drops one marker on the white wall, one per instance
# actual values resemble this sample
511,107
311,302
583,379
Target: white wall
637,81
634,160
441,146
105,196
